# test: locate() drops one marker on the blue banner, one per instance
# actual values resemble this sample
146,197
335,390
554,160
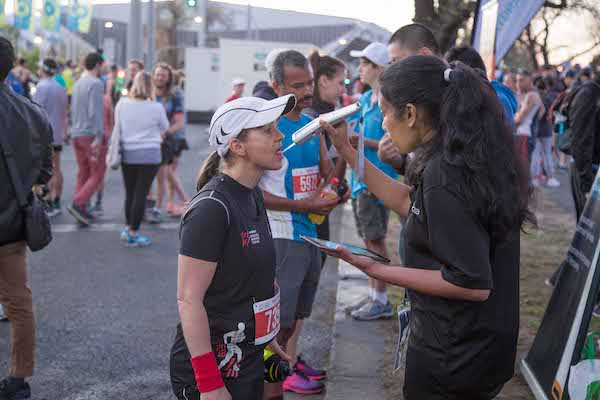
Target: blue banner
23,14
51,15
80,16
513,18
2,13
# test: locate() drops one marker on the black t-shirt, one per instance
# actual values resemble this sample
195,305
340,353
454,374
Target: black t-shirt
227,224
459,349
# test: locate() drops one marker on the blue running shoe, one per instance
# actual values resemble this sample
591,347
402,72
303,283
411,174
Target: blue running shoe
138,241
374,310
125,235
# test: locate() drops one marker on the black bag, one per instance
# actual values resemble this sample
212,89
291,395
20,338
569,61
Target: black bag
38,233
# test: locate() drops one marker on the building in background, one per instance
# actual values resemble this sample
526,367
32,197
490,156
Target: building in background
333,35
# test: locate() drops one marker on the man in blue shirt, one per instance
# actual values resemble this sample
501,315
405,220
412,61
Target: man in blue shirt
370,215
469,56
291,193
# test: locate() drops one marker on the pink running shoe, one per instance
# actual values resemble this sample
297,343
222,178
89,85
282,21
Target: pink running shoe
301,384
312,373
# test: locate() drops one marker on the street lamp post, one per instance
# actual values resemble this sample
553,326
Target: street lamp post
151,34
134,30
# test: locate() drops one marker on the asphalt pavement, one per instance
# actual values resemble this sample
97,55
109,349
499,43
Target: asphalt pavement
106,314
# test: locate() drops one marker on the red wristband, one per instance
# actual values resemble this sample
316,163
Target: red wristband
208,376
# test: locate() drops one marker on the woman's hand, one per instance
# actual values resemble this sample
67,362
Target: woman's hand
276,348
363,263
338,135
218,394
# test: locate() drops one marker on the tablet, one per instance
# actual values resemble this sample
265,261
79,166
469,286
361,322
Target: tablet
359,251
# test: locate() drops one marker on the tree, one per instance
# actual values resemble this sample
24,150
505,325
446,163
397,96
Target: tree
536,34
444,18
447,17
176,13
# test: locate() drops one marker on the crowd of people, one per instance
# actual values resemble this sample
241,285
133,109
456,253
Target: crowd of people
471,151
81,105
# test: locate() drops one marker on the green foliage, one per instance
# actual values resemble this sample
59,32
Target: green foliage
32,59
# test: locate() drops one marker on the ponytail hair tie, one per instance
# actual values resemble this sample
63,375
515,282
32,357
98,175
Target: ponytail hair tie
447,74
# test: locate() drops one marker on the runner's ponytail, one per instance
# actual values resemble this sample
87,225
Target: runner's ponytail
209,169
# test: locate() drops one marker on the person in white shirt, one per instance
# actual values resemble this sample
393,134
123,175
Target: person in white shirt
142,123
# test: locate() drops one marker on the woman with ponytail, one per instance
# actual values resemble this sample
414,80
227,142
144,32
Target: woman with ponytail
469,201
330,74
226,291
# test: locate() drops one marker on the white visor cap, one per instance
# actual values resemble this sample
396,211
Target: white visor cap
245,113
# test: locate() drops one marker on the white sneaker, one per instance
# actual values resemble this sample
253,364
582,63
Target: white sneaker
535,182
553,183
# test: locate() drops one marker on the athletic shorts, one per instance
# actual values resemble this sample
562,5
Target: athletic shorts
298,273
57,148
181,146
371,217
252,390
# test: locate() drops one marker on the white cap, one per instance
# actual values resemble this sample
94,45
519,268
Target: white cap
375,52
245,113
238,81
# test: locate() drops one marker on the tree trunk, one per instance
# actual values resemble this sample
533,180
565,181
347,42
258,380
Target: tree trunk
424,12
532,47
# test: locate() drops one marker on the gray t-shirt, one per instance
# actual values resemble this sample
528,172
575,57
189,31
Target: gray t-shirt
87,106
53,98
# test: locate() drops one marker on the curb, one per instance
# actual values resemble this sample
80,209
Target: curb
357,347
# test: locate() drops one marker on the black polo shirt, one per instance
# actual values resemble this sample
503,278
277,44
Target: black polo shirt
228,226
459,349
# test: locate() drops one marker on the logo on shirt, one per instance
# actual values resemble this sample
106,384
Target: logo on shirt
250,237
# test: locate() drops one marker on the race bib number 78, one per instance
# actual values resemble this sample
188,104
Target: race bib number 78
306,181
267,318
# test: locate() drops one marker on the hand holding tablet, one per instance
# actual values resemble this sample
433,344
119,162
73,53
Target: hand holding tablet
331,248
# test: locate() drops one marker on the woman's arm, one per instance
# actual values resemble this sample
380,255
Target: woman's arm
429,282
178,124
193,279
393,194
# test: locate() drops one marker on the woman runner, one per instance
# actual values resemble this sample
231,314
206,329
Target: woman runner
228,303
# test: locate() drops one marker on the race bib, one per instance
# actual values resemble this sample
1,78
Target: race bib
266,316
306,181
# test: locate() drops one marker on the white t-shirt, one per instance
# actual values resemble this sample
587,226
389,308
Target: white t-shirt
141,123
524,127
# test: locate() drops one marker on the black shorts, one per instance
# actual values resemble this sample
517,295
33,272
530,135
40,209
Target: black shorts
252,390
181,146
172,148
57,148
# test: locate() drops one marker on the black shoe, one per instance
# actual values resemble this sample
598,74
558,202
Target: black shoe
80,214
14,391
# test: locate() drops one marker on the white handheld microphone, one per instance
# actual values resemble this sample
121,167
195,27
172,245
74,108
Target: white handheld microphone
313,128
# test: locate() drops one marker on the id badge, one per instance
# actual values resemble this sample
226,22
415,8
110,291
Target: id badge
403,334
267,319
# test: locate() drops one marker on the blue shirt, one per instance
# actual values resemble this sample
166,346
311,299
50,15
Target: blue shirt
508,100
173,106
372,120
297,179
14,83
